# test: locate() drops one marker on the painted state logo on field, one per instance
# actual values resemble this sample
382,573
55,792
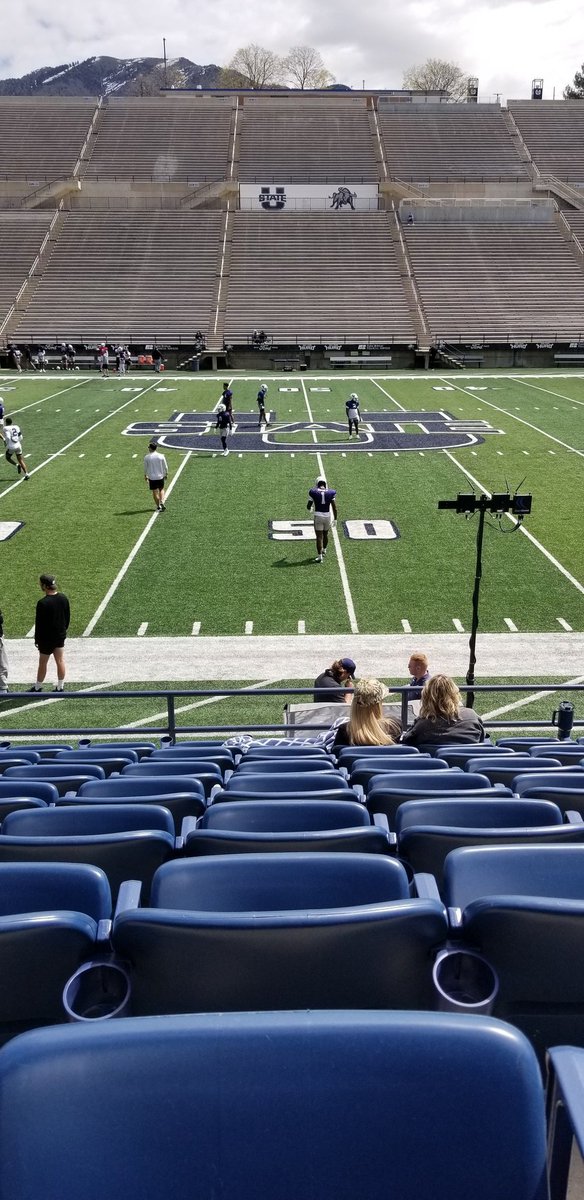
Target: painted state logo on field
378,432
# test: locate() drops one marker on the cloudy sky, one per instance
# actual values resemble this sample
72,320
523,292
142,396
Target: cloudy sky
504,42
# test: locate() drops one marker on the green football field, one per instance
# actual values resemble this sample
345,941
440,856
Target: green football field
234,553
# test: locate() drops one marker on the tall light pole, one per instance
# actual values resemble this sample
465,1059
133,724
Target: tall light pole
165,63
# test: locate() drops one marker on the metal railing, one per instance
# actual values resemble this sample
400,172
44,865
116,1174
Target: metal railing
172,729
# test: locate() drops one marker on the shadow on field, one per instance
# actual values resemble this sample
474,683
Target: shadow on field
134,512
299,562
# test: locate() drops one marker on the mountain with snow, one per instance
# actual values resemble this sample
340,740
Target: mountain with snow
103,76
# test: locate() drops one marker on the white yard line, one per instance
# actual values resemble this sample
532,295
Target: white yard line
183,708
521,420
548,391
131,556
389,396
498,712
58,453
336,540
48,698
52,396
564,571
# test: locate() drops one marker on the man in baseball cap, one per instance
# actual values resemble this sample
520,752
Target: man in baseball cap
327,687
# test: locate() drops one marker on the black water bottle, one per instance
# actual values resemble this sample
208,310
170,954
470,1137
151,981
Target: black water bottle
563,717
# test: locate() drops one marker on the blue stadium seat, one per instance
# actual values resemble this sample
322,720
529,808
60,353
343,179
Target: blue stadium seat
565,1108
289,781
387,800
347,755
278,766
524,744
14,789
426,837
445,781
181,805
14,804
31,756
280,931
329,1098
141,749
221,758
51,918
567,755
82,819
203,770
261,753
506,768
64,777
567,800
365,770
46,751
570,778
328,795
110,762
282,826
142,785
523,908
458,756
12,761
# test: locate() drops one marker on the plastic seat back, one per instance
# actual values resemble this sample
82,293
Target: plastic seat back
14,789
478,813
347,755
285,816
458,756
124,855
562,777
203,769
220,758
127,787
83,819
326,795
279,766
357,840
567,755
505,771
370,1072
525,743
425,847
423,783
288,781
478,871
45,751
23,756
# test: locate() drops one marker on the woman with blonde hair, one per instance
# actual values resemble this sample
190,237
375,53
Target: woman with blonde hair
443,719
366,725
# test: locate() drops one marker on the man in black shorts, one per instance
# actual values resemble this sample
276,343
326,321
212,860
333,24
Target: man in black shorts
155,474
50,630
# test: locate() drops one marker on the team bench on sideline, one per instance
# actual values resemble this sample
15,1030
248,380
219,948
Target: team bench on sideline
348,360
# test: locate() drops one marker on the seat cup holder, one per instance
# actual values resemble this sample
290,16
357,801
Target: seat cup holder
464,982
97,991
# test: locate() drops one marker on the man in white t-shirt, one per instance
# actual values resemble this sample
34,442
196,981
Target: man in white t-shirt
13,440
155,474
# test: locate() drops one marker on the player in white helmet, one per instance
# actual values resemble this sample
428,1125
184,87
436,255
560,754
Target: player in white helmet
353,414
261,398
13,440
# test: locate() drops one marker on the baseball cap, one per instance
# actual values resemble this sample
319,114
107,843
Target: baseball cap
349,665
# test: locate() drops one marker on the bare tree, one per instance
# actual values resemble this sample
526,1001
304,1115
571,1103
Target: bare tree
575,90
305,69
253,67
436,75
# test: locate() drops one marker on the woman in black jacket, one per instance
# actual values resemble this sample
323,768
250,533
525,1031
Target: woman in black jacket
443,719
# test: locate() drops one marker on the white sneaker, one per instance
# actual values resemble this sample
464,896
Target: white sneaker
225,453
318,558
323,553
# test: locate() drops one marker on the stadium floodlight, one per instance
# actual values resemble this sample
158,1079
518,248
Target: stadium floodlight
518,505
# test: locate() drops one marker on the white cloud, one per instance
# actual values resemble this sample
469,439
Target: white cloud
505,43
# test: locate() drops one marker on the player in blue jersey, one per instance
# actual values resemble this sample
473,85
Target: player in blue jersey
322,499
226,398
224,424
353,414
262,393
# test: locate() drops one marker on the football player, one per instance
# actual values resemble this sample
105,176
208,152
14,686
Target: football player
322,499
262,393
225,425
13,439
353,414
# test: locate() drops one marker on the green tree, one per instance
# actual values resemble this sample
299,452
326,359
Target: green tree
575,91
304,68
436,75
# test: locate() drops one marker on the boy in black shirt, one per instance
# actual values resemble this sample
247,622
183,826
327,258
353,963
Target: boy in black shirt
50,630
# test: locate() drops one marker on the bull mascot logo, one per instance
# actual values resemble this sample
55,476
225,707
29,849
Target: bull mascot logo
343,197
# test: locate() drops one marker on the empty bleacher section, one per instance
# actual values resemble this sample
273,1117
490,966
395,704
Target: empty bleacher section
316,277
576,222
553,131
42,139
127,276
176,138
448,142
497,280
303,139
21,236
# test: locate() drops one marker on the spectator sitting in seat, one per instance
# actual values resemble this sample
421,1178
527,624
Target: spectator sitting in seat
366,725
418,668
327,687
443,718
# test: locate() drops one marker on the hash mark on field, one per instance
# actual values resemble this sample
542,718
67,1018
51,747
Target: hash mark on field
564,624
525,452
142,628
406,626
500,452
249,627
108,455
510,625
458,625
196,628
552,452
82,455
302,626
